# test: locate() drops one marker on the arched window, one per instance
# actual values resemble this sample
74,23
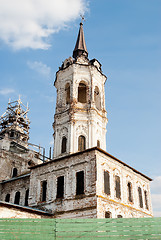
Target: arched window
117,187
14,173
140,197
64,145
129,185
81,143
82,93
7,198
26,197
146,200
107,182
17,198
97,98
98,143
67,91
108,215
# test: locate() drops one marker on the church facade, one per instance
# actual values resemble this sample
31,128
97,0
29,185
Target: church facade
82,180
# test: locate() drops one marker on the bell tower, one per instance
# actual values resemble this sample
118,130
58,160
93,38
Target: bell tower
80,118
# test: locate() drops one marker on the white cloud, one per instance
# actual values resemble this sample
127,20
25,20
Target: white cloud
6,91
41,68
156,196
30,23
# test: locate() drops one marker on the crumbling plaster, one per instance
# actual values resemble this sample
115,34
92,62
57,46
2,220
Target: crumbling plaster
110,202
67,167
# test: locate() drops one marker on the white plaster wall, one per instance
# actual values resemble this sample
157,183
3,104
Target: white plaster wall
6,212
110,202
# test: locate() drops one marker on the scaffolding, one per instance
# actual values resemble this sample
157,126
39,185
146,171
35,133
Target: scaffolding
14,123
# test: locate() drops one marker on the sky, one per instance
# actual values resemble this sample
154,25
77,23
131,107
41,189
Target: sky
38,35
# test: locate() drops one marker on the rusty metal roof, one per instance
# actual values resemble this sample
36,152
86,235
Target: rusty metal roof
80,47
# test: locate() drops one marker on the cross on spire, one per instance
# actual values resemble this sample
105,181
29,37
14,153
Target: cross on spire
83,19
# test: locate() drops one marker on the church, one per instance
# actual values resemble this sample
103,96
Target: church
79,179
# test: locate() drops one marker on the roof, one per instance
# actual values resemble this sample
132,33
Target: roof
80,47
26,209
15,178
89,150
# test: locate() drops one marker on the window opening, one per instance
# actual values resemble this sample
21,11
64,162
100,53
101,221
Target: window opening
108,215
44,190
7,198
60,187
12,134
119,216
106,182
64,145
81,143
129,185
14,174
97,98
26,197
98,143
17,198
117,187
80,183
67,90
146,200
82,95
140,197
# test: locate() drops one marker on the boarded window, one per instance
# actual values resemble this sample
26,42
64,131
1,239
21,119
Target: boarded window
81,143
17,198
146,200
7,198
106,182
14,173
60,187
64,145
140,197
82,95
67,91
97,98
80,183
44,190
108,214
98,143
129,185
119,216
26,197
117,187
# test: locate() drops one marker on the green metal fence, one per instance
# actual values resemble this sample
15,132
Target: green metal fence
85,229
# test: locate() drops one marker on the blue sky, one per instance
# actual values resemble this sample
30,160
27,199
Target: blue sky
124,36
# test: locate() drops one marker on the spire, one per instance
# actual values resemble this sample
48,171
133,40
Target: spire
80,47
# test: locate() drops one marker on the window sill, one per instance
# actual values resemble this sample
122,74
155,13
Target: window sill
59,199
80,196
